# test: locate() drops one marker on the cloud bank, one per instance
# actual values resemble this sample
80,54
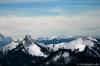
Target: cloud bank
50,25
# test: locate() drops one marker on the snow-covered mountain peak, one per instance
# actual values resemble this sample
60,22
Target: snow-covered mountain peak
27,45
31,46
81,43
76,44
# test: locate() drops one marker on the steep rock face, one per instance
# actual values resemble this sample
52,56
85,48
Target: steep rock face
62,56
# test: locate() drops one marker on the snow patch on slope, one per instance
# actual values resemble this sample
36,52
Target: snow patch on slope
76,44
33,49
92,39
10,46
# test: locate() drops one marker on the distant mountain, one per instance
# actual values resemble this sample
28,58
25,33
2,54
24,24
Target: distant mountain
55,39
4,40
28,51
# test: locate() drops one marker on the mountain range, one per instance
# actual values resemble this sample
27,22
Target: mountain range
55,51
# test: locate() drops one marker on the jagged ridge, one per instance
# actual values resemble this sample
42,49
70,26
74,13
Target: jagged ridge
29,52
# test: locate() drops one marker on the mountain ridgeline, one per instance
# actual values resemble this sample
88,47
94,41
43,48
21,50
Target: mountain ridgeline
57,51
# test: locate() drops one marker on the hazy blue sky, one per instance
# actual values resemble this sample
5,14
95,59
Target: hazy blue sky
49,17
